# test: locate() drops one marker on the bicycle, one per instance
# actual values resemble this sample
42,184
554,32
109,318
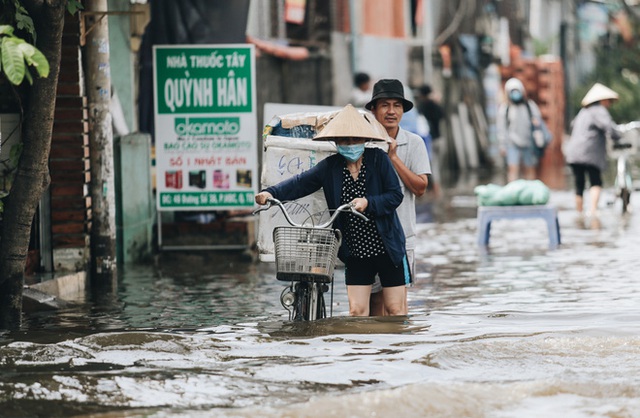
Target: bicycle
622,152
306,257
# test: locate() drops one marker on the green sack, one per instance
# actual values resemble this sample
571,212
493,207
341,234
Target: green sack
535,193
518,192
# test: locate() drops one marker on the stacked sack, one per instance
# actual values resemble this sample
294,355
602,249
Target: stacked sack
518,192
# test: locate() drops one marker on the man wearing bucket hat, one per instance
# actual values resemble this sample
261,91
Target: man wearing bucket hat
364,177
408,154
586,150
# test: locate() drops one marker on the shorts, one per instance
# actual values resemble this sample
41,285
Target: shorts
411,259
579,172
517,155
363,271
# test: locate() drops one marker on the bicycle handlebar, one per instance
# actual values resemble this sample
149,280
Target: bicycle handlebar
626,127
347,207
622,146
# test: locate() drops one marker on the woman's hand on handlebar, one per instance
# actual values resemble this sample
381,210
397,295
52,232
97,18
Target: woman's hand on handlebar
263,197
360,204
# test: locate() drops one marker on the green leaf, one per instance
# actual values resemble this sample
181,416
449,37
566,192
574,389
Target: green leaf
73,6
6,30
28,76
15,52
35,58
26,49
24,22
14,153
39,62
13,60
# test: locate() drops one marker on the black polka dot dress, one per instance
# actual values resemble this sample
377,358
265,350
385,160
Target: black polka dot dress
362,237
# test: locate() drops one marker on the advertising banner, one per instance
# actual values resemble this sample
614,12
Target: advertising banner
205,126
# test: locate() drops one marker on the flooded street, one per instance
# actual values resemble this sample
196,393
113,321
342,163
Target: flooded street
517,330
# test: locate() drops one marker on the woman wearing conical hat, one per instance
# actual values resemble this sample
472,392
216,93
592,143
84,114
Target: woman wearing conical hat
586,151
365,177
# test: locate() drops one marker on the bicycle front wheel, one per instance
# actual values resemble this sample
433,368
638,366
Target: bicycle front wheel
309,304
300,312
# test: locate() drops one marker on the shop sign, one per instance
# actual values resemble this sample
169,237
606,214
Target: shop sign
205,126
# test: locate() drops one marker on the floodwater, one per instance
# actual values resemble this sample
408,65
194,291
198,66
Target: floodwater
517,330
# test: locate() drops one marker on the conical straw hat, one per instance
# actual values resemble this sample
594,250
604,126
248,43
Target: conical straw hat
350,123
598,92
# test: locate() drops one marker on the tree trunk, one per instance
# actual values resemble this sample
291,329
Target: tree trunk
32,176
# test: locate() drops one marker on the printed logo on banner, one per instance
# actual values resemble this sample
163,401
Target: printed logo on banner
206,126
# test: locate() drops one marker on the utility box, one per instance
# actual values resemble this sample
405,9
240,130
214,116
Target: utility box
135,208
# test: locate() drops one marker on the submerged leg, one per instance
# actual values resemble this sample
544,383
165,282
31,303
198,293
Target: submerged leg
359,299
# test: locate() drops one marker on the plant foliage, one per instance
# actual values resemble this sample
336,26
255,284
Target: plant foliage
14,14
17,56
73,6
618,68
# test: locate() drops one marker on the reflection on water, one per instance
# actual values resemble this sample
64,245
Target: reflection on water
514,331
342,325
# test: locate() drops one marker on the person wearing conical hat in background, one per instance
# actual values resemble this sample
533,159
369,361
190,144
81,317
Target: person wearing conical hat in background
366,178
409,156
586,151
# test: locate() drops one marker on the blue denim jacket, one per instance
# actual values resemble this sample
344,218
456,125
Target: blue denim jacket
383,194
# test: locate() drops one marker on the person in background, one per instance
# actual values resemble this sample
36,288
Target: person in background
408,154
515,123
365,178
361,91
429,106
586,150
413,121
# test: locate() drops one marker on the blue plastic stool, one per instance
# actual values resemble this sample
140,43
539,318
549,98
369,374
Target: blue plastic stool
487,214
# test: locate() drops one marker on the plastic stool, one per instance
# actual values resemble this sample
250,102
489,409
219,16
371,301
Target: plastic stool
487,214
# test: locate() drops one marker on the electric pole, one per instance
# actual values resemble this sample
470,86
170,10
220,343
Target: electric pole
98,83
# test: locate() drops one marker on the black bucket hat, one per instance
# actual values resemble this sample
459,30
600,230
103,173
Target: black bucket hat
389,89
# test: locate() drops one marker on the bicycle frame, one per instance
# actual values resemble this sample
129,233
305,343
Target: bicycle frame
303,298
623,182
622,151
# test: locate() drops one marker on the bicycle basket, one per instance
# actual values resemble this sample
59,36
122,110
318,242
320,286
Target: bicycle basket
305,253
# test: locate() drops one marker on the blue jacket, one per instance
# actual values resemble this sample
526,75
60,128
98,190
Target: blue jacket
383,194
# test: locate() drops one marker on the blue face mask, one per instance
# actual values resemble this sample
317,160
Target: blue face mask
351,152
515,96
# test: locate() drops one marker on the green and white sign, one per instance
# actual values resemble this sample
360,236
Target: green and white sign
205,127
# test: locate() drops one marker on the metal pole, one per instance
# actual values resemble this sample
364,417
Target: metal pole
354,36
98,83
427,34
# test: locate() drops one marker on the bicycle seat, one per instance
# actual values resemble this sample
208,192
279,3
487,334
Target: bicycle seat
619,145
